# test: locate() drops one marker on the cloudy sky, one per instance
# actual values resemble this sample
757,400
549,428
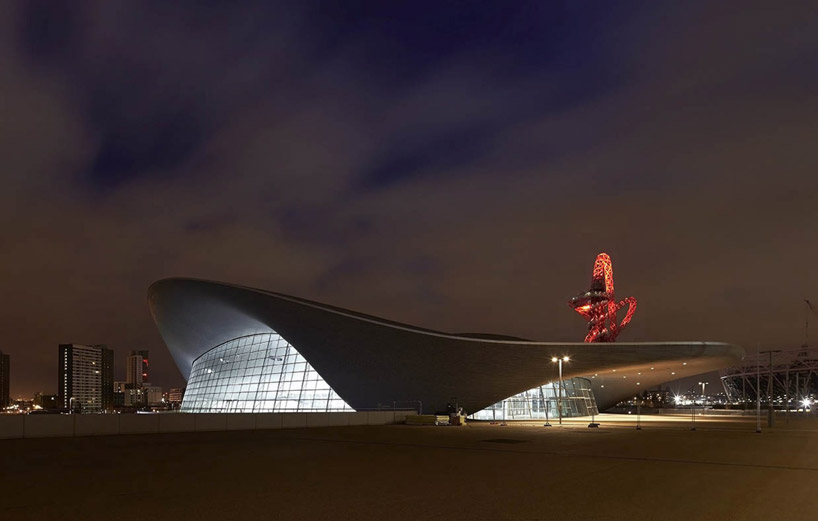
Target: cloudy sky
454,165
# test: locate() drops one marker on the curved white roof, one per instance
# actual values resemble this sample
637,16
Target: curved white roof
370,361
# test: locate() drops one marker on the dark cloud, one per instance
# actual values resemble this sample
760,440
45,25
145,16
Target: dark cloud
450,165
50,31
154,81
427,153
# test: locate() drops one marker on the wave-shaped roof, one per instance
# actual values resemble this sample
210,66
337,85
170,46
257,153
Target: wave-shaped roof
371,362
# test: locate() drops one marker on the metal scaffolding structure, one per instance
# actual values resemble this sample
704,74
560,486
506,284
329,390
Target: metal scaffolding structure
598,305
787,379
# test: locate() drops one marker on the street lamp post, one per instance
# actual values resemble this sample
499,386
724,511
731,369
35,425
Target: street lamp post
559,387
770,389
787,397
693,412
704,400
758,390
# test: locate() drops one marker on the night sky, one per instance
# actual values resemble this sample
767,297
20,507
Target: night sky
453,165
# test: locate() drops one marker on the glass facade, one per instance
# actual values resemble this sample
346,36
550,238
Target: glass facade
257,373
541,403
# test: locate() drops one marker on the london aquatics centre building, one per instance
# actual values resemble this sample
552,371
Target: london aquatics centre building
250,350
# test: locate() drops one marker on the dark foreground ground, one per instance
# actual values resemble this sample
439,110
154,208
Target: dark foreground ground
723,470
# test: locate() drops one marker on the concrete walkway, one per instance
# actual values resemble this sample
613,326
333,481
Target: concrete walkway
722,471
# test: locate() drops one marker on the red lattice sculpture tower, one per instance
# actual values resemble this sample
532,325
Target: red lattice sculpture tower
598,305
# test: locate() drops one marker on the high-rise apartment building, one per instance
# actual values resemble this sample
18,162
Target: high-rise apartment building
107,379
86,378
5,396
137,368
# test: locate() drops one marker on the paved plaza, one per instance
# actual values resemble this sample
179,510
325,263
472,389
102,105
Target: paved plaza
522,471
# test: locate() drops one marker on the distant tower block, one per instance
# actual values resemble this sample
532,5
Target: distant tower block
598,305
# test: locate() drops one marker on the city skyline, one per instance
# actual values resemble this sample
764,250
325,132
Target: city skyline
128,369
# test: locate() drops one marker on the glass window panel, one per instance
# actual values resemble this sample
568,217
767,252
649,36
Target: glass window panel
261,373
